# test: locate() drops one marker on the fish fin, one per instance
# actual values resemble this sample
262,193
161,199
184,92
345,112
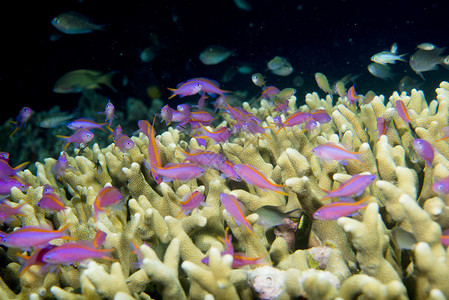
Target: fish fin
106,79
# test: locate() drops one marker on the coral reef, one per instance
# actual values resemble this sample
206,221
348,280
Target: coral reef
159,253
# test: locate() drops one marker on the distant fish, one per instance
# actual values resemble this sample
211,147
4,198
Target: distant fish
333,211
426,46
243,5
21,119
55,121
427,60
258,79
425,150
213,55
74,23
280,66
323,83
380,71
387,57
79,80
407,84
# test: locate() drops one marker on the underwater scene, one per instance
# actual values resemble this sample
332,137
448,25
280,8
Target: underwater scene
233,149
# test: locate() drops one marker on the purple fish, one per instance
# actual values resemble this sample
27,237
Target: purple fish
239,259
21,119
234,207
32,237
61,166
402,111
70,253
310,125
354,186
108,196
109,112
7,183
221,134
254,177
7,212
352,96
81,136
332,151
188,88
424,150
191,201
174,171
121,140
320,115
7,171
227,169
282,107
381,127
441,186
333,211
86,124
204,158
51,201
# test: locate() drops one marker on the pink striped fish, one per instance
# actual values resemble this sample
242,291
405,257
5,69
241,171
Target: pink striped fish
32,237
254,177
332,151
402,111
234,207
108,196
174,171
153,150
70,253
191,201
354,186
333,211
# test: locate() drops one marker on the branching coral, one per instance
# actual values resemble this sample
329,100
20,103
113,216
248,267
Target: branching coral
162,253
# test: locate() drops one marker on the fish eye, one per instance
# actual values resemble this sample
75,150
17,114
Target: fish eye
238,178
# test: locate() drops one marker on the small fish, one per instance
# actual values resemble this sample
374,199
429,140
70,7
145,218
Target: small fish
404,239
74,23
51,201
21,119
381,127
426,46
204,158
210,86
282,107
380,71
323,83
280,66
254,177
441,186
7,211
352,96
332,151
109,112
61,166
402,111
187,88
81,136
239,259
70,253
35,259
427,60
407,84
386,57
320,115
270,216
424,150
219,135
213,55
269,92
153,150
79,80
122,141
86,124
258,80
174,171
235,208
445,131
32,237
108,196
284,94
356,185
55,121
191,201
7,171
310,126
7,183
394,48
333,211
227,169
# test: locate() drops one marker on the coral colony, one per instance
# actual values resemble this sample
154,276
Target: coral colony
343,197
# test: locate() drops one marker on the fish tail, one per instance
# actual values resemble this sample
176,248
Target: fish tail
106,79
21,166
281,192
